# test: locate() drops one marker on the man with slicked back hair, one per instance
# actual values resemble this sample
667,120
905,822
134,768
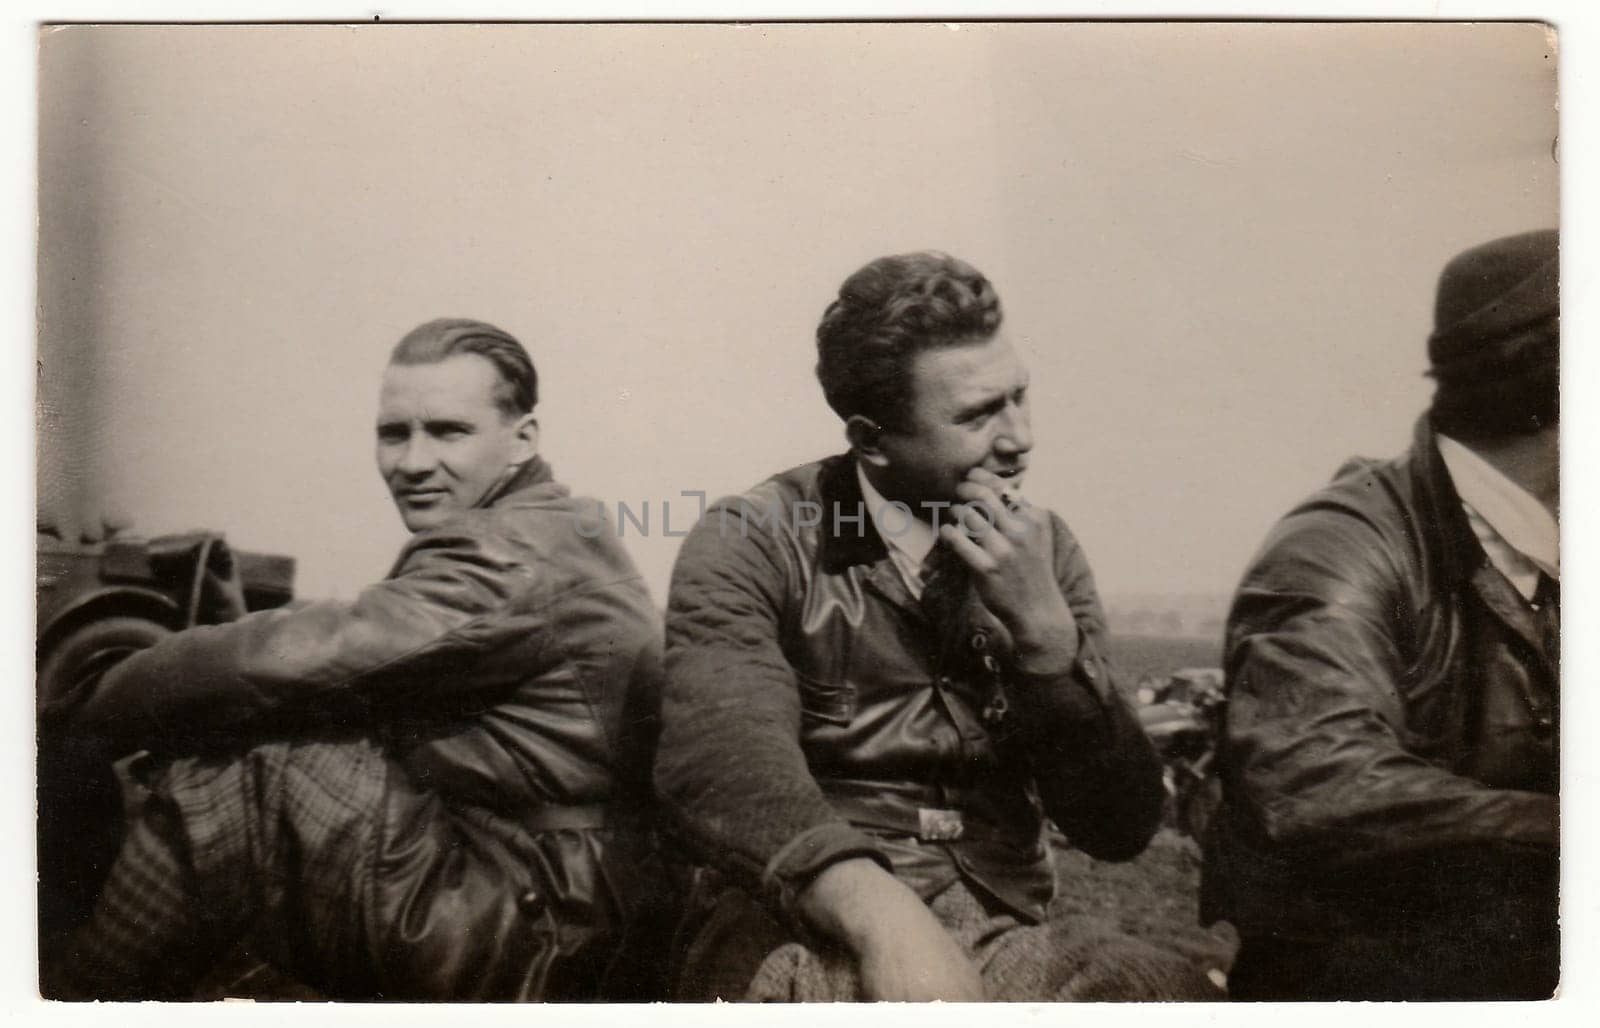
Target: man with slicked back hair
432,792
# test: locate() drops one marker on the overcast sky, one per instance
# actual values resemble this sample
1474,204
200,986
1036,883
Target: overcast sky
1216,246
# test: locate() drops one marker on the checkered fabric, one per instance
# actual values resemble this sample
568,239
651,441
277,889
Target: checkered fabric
324,858
147,929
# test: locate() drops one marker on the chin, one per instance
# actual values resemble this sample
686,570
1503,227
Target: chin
418,520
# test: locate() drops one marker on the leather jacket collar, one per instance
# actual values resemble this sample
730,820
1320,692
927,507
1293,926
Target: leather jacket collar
1438,510
844,545
535,471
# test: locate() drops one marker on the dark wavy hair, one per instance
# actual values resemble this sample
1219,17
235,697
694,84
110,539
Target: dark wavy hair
887,313
518,389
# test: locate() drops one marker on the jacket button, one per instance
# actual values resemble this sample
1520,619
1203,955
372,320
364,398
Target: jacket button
529,901
980,641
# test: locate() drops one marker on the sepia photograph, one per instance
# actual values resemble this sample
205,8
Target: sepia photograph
1026,511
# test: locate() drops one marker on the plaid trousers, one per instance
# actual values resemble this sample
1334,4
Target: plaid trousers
326,858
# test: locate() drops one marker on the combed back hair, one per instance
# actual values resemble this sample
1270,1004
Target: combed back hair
887,313
518,389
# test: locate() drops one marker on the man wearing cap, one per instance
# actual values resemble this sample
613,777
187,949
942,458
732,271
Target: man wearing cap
423,793
885,670
1391,744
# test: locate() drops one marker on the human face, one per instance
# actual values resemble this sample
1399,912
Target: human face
968,409
443,444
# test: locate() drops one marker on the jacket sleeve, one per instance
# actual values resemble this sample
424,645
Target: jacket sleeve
1315,756
1098,775
408,632
729,765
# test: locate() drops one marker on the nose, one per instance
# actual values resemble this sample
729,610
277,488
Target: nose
1016,431
417,457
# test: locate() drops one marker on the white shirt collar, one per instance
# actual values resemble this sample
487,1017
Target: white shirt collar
1520,536
907,533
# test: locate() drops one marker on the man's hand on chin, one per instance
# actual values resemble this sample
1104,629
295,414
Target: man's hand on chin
1009,546
902,952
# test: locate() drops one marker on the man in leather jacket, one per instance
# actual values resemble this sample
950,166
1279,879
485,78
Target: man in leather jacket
1390,755
425,793
874,699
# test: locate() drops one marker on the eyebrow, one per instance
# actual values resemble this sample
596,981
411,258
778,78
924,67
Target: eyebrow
984,406
989,404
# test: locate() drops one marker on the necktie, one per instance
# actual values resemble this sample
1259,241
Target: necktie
1547,615
1546,606
944,583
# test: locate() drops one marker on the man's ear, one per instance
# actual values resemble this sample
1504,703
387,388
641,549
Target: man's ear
525,435
866,439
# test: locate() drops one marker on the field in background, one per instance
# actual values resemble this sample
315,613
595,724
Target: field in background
1139,655
1154,897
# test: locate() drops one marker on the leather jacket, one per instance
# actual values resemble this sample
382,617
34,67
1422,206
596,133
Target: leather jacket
1391,740
813,711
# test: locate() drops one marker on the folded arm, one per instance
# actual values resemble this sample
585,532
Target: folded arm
406,632
1317,761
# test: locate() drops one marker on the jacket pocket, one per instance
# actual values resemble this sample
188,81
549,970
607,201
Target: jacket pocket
830,702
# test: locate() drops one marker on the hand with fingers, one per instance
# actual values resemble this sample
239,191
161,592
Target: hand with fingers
1009,547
